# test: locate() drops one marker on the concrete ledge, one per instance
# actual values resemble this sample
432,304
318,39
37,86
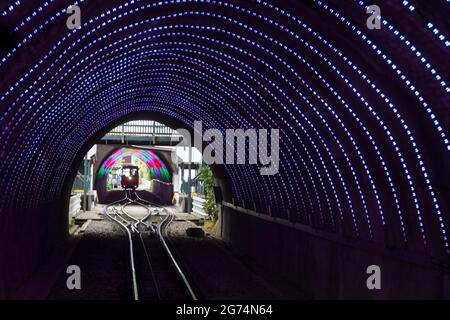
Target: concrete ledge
329,268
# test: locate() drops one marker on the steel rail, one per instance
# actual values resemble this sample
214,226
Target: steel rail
148,202
147,256
130,240
138,221
161,228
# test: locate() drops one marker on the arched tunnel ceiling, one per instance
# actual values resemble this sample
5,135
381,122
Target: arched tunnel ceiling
363,114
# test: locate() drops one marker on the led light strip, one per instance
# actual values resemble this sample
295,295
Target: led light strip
156,166
305,101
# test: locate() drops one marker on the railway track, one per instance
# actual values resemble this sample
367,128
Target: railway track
155,272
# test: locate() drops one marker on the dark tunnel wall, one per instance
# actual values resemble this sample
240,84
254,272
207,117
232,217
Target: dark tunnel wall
363,114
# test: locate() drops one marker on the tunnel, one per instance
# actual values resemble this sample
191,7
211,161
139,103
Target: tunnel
362,113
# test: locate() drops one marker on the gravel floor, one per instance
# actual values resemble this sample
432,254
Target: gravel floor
215,271
100,255
218,273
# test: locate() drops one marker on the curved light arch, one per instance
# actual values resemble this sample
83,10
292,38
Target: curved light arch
354,162
157,168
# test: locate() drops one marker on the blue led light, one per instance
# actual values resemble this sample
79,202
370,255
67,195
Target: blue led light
349,154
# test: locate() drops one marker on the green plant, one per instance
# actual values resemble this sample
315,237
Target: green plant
210,204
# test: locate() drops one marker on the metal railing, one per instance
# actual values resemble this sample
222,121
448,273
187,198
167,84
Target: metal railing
198,206
143,128
75,205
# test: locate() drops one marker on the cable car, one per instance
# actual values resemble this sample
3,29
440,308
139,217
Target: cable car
130,176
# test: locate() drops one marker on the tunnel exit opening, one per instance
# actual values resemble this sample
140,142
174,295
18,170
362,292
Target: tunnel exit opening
147,142
126,178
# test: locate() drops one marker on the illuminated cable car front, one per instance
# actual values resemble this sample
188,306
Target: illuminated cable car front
130,177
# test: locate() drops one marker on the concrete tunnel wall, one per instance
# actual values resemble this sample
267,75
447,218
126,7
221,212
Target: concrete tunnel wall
363,114
327,269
